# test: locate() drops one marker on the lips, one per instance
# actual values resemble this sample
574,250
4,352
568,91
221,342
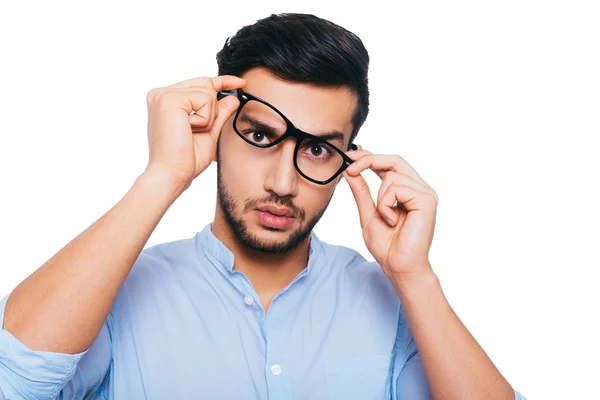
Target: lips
275,218
280,212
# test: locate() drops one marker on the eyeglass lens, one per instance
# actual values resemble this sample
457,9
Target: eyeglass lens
260,125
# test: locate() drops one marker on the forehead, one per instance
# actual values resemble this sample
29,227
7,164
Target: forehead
313,109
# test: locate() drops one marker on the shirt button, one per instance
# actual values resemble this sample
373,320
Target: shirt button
249,300
276,369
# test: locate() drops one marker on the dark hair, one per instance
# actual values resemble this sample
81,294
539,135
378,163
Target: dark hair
302,48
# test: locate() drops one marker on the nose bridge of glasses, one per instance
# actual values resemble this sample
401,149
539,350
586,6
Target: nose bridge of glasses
287,148
292,135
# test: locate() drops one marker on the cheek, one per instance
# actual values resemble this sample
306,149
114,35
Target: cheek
313,198
241,172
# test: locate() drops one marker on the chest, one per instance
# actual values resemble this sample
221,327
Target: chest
316,347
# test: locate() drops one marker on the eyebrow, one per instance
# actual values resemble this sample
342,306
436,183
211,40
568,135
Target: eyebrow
328,136
257,124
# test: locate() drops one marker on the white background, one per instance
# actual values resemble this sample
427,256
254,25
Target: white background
496,105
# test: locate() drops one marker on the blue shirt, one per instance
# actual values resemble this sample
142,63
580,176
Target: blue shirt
186,325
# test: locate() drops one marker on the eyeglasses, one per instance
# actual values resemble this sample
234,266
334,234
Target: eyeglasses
262,125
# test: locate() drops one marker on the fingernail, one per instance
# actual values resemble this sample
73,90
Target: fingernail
389,222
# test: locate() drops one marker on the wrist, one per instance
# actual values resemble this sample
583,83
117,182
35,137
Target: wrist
161,176
409,286
163,181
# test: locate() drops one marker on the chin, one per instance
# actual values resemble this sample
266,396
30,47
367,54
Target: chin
267,239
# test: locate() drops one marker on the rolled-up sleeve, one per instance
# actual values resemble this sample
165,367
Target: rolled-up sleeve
519,396
409,381
39,375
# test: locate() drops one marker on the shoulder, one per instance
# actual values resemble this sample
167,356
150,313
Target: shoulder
157,282
158,271
360,276
163,258
352,264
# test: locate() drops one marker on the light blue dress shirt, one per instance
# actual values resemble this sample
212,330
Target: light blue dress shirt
186,325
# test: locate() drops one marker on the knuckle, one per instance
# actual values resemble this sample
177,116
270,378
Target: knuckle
394,187
206,82
387,180
211,83
381,207
163,97
393,176
151,95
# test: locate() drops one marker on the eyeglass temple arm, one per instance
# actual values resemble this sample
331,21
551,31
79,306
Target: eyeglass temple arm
347,160
223,93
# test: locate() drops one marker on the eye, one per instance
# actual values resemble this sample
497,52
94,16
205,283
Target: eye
258,137
317,150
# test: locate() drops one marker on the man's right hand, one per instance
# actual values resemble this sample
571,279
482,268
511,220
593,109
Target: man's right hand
182,144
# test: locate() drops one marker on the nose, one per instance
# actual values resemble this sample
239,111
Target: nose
282,179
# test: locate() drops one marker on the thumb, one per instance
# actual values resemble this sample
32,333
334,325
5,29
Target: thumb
225,108
362,195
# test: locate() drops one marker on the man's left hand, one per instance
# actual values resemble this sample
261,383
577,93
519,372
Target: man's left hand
398,229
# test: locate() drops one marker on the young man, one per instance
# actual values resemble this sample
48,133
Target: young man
254,306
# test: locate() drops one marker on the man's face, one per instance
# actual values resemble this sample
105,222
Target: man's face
255,184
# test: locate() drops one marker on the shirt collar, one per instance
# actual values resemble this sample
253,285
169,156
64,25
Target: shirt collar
208,243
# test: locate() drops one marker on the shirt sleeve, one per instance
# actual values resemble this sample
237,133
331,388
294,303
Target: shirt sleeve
39,375
519,396
411,382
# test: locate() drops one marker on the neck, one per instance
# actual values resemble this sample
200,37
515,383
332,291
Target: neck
269,273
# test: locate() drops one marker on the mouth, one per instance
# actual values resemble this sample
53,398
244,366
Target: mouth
275,217
279,212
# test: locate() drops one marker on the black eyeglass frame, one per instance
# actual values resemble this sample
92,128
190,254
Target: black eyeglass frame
244,97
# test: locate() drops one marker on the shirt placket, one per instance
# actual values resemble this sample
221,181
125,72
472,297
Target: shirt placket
273,327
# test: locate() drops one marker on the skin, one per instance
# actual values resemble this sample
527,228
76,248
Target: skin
269,177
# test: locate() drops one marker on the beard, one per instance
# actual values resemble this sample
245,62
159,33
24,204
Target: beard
230,210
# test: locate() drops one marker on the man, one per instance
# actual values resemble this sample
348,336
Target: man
254,306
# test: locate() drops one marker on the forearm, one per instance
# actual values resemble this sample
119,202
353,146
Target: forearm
455,365
62,306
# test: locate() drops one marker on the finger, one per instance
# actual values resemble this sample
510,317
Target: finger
197,102
215,83
396,178
362,196
186,100
206,115
408,197
227,82
225,108
382,163
203,81
356,154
